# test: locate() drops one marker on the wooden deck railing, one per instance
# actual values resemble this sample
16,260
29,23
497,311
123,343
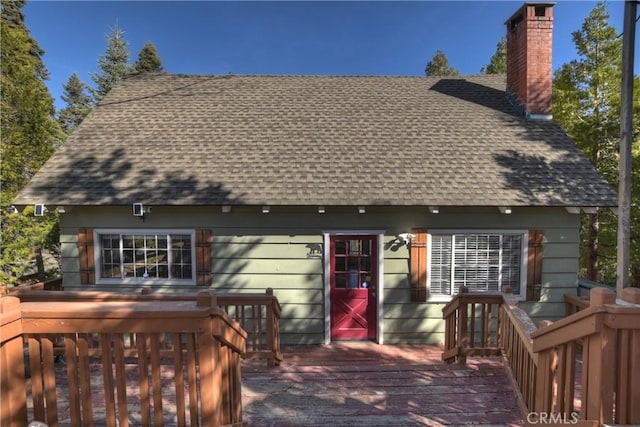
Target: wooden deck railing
544,361
47,285
258,314
517,346
204,370
574,303
610,334
472,326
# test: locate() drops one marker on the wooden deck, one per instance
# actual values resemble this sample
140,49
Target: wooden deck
361,383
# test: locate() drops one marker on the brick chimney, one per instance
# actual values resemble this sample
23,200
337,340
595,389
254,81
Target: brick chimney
529,69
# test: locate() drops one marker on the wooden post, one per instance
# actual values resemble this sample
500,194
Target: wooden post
544,382
601,296
631,295
628,373
633,378
209,360
270,329
598,371
13,404
207,299
463,327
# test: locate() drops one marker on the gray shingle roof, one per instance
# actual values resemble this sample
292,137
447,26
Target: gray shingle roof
315,140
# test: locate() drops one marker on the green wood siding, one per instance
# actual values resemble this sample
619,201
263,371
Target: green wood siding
253,251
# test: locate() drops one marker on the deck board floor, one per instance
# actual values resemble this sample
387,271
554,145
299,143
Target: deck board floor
365,384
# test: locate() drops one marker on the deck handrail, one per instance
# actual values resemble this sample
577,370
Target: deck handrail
258,313
609,333
54,284
471,325
575,303
542,359
517,347
206,363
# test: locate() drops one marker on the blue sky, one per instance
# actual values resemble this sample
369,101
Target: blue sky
329,37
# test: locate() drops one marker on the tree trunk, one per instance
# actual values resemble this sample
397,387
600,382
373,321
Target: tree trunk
40,265
593,226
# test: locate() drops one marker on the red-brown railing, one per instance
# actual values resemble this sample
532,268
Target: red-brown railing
472,326
517,346
129,384
544,361
258,314
574,303
610,334
47,285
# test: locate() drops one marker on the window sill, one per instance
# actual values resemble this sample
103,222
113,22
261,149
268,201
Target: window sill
443,299
146,282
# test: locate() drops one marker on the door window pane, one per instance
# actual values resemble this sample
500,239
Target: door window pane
366,247
352,263
354,247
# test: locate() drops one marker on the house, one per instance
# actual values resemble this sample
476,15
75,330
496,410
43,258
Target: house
364,202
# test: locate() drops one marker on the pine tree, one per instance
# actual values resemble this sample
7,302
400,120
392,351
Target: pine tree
29,137
148,60
78,104
113,64
587,106
498,62
439,66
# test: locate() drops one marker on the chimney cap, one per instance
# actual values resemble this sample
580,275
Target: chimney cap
518,13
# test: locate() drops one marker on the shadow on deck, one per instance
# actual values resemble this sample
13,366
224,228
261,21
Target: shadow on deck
362,383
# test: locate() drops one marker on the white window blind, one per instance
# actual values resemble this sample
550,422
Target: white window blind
481,262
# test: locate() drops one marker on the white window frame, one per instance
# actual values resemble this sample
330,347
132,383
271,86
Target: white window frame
449,232
97,250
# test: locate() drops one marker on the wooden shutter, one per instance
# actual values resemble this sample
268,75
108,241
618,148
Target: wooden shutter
203,257
87,256
534,265
419,266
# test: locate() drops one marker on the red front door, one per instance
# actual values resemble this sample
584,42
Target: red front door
353,297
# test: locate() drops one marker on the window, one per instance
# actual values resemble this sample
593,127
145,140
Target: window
479,261
132,256
352,262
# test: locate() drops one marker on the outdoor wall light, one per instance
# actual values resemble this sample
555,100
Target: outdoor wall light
405,238
434,209
266,209
140,210
226,209
321,209
505,210
39,210
361,209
